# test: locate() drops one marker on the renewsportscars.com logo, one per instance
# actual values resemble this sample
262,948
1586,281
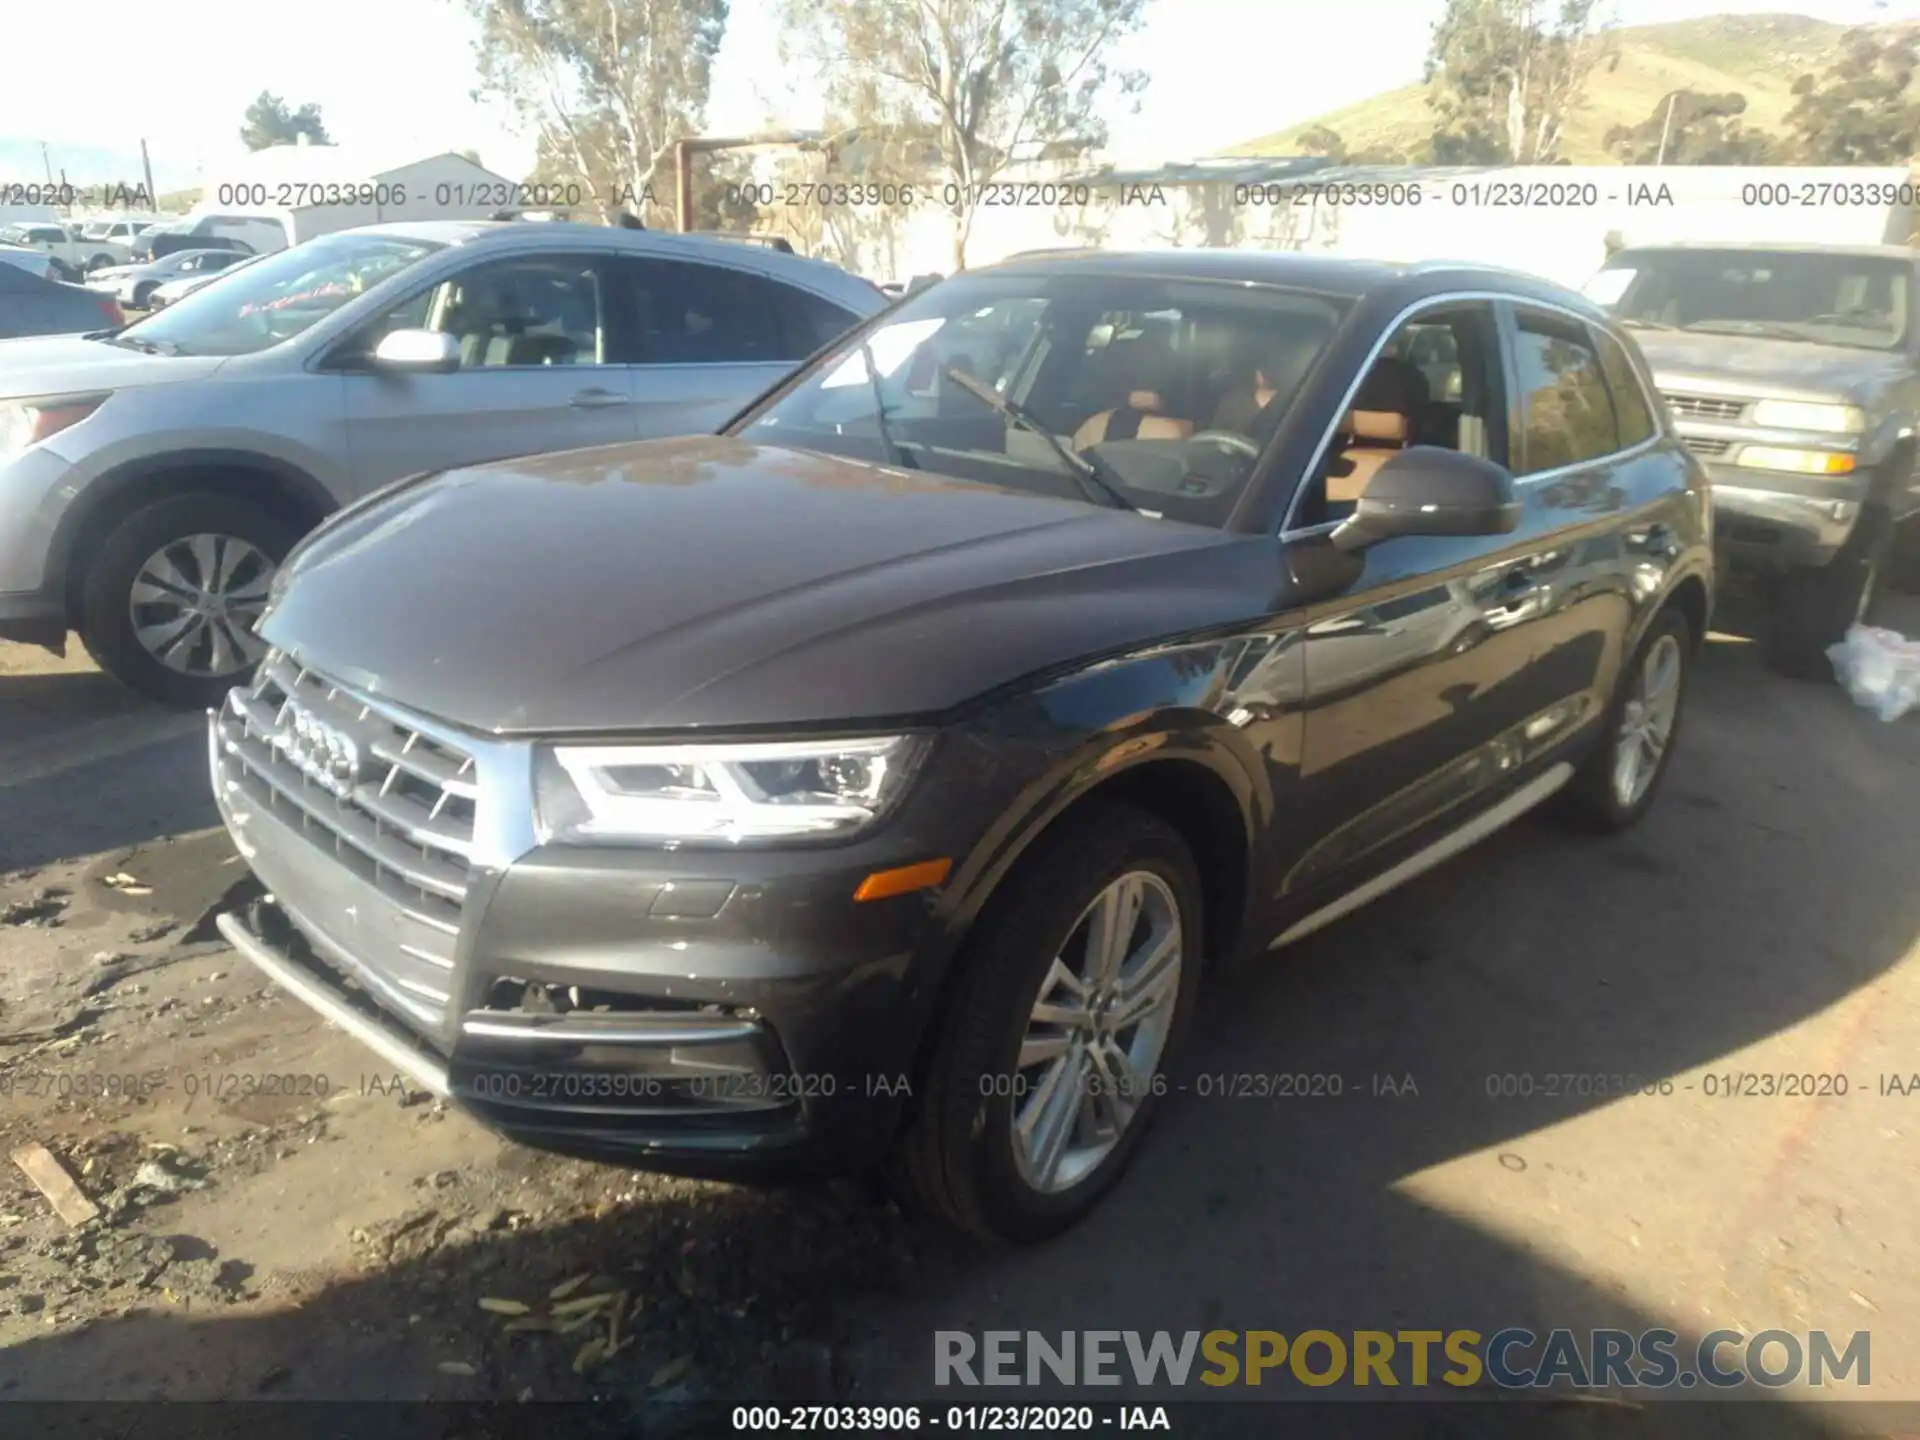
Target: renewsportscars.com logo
1513,1359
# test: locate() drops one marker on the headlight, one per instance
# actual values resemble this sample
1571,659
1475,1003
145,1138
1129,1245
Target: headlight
28,423
1799,415
719,794
1798,462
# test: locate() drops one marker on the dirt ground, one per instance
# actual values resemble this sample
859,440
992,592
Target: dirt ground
279,1216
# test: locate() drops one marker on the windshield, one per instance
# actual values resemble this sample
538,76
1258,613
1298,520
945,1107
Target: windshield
276,296
1828,298
1161,393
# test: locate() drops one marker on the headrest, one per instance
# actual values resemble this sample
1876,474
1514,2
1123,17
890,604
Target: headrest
1386,426
1392,385
1147,401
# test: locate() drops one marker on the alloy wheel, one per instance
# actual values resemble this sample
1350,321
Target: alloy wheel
1096,1032
1646,721
196,600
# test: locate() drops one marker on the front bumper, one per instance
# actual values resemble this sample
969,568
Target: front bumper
733,1015
1775,522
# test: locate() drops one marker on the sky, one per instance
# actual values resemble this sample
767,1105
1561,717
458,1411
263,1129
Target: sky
398,74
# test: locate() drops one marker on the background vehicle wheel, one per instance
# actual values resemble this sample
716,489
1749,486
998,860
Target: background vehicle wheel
99,262
1616,783
143,296
1904,573
1076,988
171,597
1812,609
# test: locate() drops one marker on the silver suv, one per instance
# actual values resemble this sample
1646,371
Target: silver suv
152,477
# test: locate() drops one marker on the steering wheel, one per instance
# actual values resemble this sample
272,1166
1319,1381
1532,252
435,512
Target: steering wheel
1226,440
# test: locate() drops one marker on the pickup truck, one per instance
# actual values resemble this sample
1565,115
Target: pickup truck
1793,372
73,255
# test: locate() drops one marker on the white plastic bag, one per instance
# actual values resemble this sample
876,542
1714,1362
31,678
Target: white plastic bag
1879,668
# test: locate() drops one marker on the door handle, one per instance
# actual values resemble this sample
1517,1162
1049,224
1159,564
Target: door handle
597,400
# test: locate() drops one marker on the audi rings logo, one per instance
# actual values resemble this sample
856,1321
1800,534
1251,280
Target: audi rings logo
325,754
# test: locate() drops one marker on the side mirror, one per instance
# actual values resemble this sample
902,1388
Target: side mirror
1425,490
425,351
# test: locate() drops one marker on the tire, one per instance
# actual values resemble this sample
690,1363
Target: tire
1813,608
958,1154
143,295
108,598
99,262
1904,573
1592,801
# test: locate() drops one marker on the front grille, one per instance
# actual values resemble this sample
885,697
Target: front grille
1705,407
401,820
1701,445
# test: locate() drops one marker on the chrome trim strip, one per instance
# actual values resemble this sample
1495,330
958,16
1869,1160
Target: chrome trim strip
410,1060
613,1030
1655,406
1541,788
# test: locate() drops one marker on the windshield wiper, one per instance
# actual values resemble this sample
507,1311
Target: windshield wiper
1096,485
896,454
147,347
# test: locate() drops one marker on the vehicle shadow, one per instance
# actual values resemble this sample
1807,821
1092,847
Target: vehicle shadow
1771,883
88,766
731,1301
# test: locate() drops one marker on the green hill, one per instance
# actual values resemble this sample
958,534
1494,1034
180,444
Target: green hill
1760,56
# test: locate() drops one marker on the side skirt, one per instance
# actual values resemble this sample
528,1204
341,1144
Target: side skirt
1533,793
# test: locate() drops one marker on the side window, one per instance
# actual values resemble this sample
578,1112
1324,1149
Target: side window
1629,397
534,311
1563,415
809,322
1436,382
677,312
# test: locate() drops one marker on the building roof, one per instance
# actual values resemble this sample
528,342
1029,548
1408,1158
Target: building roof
326,165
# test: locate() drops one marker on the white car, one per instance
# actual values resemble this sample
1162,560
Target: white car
215,263
135,285
72,256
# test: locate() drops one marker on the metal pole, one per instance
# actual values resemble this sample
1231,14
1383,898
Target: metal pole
1666,129
153,196
683,184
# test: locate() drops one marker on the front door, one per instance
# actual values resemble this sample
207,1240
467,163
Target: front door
1419,682
537,373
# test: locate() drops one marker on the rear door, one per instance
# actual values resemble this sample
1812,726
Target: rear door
1580,434
701,339
537,371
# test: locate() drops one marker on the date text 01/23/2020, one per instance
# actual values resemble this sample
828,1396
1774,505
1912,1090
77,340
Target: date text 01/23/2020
959,1419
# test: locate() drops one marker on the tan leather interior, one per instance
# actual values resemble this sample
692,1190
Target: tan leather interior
1379,426
1148,400
1152,427
1375,430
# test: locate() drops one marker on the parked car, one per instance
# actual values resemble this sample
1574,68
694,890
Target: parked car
195,277
35,262
134,284
66,244
116,234
72,256
1793,372
249,234
878,777
189,234
30,305
223,427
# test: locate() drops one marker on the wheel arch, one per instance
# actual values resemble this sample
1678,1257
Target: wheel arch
1180,776
287,491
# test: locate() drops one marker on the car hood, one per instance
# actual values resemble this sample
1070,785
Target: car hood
69,365
1754,364
710,583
